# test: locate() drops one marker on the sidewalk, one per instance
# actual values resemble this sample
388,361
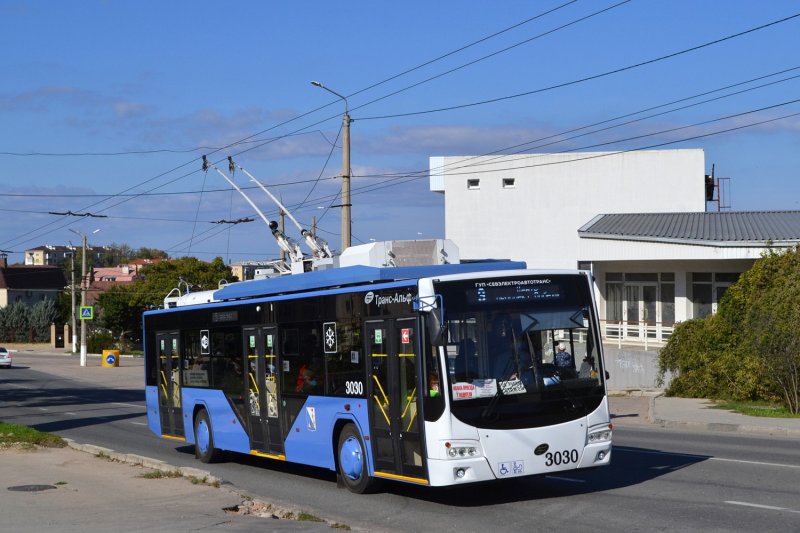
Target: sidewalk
694,415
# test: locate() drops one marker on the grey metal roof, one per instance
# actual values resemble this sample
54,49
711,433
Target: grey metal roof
701,228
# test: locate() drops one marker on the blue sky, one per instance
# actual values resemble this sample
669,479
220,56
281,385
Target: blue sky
180,79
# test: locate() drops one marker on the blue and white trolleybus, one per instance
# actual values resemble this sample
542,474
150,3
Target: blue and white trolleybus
434,375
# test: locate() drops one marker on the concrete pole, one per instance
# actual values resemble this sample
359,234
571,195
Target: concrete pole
72,286
346,224
83,303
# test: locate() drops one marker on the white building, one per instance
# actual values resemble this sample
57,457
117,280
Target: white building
637,220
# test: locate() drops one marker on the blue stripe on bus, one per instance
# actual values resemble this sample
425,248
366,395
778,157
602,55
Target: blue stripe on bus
310,440
227,431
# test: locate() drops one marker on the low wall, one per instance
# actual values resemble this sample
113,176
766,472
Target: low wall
632,368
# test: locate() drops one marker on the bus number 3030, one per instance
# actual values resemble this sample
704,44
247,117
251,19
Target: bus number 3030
354,387
564,457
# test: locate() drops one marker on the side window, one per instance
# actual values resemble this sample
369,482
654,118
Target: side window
346,367
196,367
226,360
303,364
433,397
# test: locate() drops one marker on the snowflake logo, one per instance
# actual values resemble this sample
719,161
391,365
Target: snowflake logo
204,342
330,338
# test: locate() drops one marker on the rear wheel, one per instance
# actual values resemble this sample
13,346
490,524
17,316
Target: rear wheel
352,461
204,439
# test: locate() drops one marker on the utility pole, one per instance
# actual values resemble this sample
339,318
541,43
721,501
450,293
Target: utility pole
83,303
346,222
84,288
72,286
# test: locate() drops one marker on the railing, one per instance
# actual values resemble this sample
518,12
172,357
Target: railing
647,332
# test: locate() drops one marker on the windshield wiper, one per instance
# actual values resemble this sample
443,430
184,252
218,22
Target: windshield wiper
489,411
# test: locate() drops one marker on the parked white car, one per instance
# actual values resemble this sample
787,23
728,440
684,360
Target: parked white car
5,357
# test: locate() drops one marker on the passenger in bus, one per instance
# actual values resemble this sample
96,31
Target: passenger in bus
433,384
564,361
587,368
308,376
563,358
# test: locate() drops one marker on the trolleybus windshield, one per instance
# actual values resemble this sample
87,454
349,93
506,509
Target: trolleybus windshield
522,351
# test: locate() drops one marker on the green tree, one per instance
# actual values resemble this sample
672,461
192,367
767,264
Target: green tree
14,323
118,314
121,310
41,315
751,348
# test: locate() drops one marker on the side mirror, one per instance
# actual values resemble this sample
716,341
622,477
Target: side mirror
436,329
608,376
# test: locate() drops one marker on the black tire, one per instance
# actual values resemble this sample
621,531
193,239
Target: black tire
204,439
350,453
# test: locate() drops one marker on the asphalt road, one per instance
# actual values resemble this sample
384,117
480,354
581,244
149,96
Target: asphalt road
660,479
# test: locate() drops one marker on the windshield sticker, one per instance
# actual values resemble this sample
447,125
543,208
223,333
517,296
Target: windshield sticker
485,388
511,468
512,386
463,391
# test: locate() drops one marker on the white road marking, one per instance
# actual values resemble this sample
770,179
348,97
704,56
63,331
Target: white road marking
566,479
139,423
43,408
125,404
759,506
70,413
708,458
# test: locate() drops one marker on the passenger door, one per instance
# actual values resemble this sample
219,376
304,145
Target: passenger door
261,345
392,349
169,384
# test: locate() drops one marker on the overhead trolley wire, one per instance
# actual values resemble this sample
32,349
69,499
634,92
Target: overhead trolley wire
587,78
241,141
527,144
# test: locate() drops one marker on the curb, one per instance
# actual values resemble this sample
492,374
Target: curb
137,460
275,509
718,427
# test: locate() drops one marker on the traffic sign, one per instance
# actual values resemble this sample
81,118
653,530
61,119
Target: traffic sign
87,312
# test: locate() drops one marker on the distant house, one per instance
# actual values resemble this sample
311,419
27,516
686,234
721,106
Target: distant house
29,284
58,255
104,278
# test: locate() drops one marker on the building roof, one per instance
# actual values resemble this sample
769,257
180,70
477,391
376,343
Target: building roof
32,278
717,229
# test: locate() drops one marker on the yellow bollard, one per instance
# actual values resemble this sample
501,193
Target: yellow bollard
110,358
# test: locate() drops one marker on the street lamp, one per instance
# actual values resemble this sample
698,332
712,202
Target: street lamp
83,293
346,225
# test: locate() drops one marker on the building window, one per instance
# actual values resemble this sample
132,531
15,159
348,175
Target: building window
473,184
508,183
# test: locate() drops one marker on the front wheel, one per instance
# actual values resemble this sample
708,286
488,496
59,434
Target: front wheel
353,468
204,439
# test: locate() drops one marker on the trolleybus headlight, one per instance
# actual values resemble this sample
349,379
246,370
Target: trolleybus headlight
461,451
600,435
